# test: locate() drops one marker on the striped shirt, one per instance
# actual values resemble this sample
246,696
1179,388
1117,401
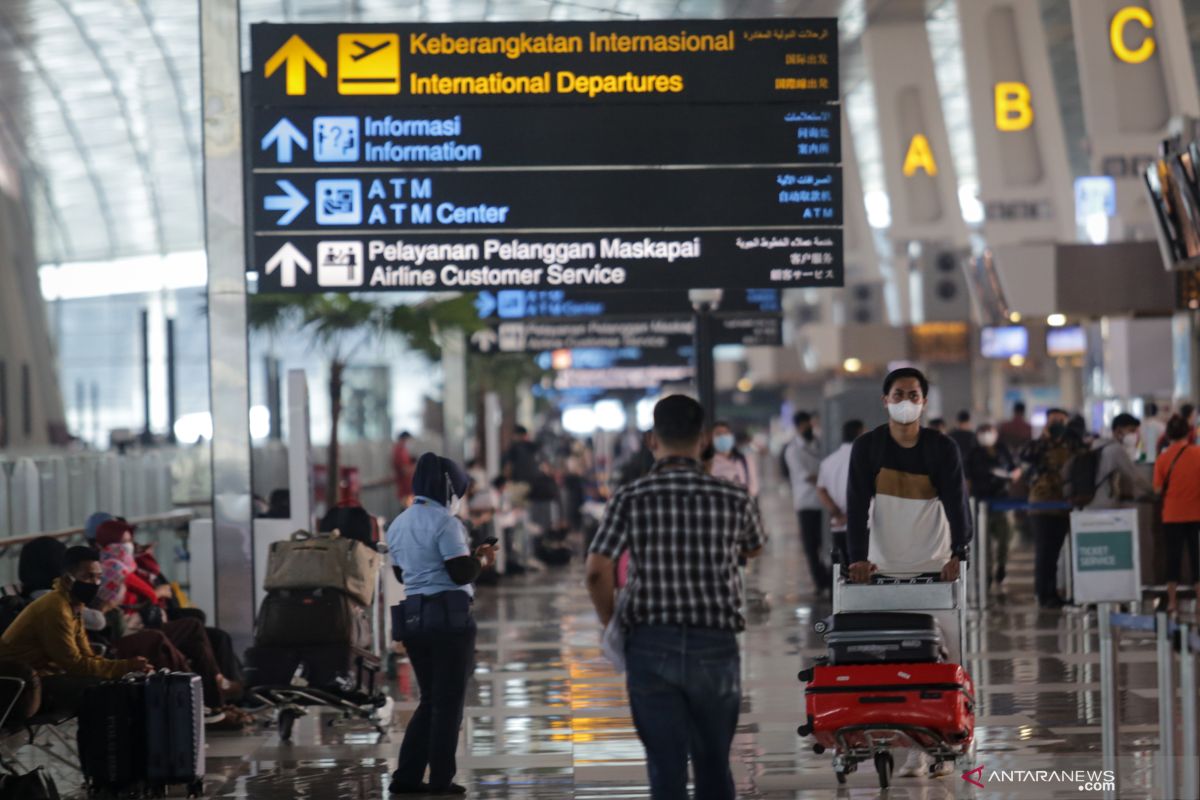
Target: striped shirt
684,531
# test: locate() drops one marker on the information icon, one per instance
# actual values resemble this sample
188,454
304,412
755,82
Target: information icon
340,264
336,139
339,202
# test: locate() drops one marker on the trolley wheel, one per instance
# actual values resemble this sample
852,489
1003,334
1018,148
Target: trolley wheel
805,675
841,778
287,718
884,766
196,788
820,626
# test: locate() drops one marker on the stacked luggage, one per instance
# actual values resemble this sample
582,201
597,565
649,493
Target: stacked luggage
313,631
885,682
142,734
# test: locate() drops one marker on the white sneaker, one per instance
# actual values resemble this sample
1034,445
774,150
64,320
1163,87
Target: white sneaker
915,766
943,769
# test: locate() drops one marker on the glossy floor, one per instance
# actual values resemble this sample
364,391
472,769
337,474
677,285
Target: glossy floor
547,718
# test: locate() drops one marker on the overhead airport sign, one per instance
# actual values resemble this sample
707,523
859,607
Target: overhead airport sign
668,333
559,303
636,155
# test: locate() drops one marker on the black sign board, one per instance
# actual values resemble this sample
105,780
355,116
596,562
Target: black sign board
671,333
636,155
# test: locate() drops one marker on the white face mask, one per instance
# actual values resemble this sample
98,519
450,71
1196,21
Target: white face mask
988,439
905,412
1130,441
455,506
127,547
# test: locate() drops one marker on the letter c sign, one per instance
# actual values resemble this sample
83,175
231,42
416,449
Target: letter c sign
1116,34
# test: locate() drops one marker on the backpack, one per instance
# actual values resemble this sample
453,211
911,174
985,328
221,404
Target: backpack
1083,476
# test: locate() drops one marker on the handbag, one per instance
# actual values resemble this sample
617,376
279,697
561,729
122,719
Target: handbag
426,614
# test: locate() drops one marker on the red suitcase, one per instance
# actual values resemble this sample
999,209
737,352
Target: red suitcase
933,704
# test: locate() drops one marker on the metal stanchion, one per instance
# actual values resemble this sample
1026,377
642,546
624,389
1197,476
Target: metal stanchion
1166,703
981,555
1108,688
1187,683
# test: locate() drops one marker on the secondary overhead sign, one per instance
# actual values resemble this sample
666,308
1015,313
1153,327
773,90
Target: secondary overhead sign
531,155
667,333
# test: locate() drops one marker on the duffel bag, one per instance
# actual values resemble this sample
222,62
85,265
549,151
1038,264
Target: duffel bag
304,617
324,562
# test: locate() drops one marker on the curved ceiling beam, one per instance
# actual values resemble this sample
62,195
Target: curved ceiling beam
140,153
189,135
19,43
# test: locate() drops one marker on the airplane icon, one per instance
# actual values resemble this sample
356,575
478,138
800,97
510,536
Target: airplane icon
365,50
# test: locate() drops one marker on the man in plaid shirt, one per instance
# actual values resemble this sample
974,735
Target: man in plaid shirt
685,531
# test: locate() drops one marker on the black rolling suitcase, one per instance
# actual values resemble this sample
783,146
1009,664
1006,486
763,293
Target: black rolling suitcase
174,731
311,617
873,637
112,736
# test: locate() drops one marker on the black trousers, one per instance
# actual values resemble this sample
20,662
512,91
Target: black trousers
442,663
811,533
1180,535
1049,533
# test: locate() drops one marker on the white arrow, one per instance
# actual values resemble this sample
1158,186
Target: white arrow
283,136
485,339
287,260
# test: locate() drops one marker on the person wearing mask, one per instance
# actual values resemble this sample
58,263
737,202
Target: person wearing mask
990,468
729,462
402,468
684,531
1046,460
49,636
1118,481
1153,430
1177,481
802,457
964,435
431,557
1187,412
1016,433
832,478
906,506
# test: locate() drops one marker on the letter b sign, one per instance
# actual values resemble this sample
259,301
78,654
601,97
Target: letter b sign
1014,111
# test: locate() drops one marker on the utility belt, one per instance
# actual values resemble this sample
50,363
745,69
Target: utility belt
428,614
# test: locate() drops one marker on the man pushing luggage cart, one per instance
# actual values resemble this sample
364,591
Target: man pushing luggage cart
908,518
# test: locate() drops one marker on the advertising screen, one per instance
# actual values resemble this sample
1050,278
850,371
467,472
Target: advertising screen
1068,341
1004,342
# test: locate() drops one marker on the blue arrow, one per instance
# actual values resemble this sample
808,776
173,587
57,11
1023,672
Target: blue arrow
283,136
485,304
291,201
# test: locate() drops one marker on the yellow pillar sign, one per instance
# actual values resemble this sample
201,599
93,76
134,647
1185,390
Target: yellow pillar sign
1014,111
1116,34
920,156
298,56
369,63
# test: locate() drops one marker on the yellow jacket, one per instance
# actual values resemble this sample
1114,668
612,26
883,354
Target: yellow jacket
49,636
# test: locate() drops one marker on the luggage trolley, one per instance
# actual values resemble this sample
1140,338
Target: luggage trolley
857,743
354,698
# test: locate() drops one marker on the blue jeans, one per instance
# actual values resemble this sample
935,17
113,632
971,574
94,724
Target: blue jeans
685,692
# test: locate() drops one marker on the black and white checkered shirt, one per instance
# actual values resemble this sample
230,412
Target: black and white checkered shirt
684,531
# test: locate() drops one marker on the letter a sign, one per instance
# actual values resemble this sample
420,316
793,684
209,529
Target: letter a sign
920,156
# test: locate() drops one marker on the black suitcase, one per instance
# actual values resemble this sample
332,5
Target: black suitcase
112,735
334,667
174,731
311,617
871,637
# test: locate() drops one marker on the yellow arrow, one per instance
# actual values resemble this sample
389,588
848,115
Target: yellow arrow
296,54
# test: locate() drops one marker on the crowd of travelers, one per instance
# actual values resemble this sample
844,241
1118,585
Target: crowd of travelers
894,499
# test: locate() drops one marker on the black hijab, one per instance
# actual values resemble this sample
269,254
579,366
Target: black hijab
437,478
